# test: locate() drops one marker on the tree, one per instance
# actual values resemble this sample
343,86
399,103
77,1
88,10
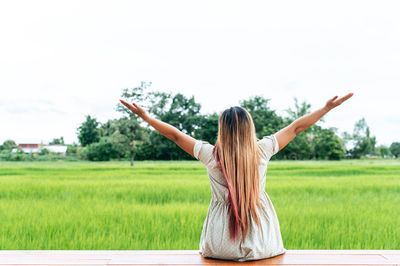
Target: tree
44,151
299,148
328,145
347,139
88,132
72,149
103,150
364,143
383,151
136,94
179,111
207,129
300,110
266,121
302,146
395,149
9,145
128,134
58,141
127,131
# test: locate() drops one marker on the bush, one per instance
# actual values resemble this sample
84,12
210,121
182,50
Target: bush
72,150
44,151
6,155
82,152
102,151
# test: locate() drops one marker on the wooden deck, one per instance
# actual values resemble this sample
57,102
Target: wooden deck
192,257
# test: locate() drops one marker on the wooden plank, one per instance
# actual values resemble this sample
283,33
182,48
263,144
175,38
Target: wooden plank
194,252
392,257
339,251
279,260
39,260
193,257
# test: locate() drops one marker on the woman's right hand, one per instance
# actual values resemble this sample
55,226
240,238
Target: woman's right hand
332,103
135,109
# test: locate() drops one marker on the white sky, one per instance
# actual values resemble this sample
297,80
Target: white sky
63,60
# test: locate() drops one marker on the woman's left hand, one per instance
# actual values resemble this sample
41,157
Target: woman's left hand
135,109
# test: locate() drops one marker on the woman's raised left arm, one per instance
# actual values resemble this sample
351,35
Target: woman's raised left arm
183,140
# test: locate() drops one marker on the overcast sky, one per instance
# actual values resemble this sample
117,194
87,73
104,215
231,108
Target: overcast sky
63,60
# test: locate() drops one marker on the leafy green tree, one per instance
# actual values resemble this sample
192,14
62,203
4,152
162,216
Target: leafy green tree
9,145
88,132
301,147
72,149
313,143
266,121
127,135
383,151
298,149
136,94
44,151
328,145
395,149
58,141
107,128
347,140
127,131
82,152
300,110
207,129
363,142
104,150
181,112
159,102
19,155
178,110
145,149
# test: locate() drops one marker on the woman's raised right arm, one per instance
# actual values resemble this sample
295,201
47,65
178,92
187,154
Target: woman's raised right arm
287,134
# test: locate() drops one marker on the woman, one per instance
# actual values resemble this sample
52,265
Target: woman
241,222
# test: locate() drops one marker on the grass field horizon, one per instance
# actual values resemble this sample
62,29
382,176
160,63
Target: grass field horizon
347,204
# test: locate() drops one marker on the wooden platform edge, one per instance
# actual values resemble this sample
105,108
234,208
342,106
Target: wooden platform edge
193,257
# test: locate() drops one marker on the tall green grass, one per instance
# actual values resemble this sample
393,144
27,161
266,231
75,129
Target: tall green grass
162,205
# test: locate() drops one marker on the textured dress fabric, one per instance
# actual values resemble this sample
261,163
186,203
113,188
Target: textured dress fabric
259,243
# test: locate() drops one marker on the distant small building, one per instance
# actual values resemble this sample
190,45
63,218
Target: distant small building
28,147
36,148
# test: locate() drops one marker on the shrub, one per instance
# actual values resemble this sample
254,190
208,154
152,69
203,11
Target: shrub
102,151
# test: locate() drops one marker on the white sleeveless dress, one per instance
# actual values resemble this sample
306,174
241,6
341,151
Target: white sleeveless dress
214,241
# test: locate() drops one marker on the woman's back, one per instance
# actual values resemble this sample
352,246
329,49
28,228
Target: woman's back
258,244
236,135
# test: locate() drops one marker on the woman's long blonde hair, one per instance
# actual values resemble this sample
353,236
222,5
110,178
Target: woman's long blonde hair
237,154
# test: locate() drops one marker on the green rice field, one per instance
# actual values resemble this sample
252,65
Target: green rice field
348,204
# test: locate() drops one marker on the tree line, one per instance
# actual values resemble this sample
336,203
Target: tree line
129,138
